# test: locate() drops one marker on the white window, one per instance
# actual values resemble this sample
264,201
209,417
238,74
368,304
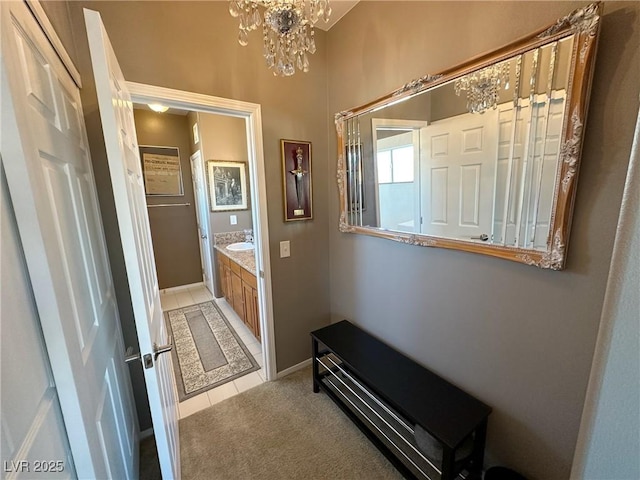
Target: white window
395,165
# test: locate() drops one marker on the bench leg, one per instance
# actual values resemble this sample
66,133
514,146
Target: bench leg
315,366
448,463
477,456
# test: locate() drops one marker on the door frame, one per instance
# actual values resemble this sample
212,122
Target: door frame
251,113
416,127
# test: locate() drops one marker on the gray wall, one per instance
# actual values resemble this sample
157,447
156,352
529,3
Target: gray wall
174,230
519,338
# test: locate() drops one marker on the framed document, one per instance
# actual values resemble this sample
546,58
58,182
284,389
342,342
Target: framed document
162,171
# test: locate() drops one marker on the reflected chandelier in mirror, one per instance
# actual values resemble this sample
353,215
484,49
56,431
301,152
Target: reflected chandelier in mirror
482,157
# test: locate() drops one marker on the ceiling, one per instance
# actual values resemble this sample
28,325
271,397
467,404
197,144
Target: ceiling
172,110
339,9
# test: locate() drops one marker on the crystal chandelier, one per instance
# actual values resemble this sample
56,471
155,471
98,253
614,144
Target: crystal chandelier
483,87
287,29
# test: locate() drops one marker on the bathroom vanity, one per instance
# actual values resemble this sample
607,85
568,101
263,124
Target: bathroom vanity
239,285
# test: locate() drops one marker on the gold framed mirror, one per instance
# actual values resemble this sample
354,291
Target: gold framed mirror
482,157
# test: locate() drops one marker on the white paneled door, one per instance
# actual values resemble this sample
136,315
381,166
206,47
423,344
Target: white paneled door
458,177
202,214
116,114
52,188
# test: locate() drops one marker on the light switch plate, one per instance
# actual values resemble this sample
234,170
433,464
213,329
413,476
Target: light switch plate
285,249
233,219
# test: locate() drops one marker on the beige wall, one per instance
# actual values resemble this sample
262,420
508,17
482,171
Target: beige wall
174,230
519,338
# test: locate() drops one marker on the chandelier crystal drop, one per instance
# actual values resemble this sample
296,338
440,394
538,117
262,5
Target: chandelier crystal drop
483,87
287,29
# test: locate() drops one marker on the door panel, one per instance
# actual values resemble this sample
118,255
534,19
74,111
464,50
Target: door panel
116,114
523,210
458,174
51,183
202,215
32,424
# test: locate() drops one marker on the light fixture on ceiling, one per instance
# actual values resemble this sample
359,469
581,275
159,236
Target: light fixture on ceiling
156,107
287,29
483,87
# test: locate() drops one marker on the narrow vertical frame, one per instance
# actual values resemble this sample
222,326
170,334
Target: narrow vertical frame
296,180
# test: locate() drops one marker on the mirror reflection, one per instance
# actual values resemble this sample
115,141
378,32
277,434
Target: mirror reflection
474,159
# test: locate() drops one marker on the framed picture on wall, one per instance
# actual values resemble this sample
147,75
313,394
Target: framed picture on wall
161,171
296,179
227,185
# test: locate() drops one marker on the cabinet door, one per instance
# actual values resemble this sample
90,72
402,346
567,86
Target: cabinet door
254,307
228,290
250,314
236,288
223,279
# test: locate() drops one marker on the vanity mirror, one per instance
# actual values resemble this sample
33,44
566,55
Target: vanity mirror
482,157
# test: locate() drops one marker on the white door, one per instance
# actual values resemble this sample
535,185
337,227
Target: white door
202,214
32,423
116,113
51,184
526,170
458,175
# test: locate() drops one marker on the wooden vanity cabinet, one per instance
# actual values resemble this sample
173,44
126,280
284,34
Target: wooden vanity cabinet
224,272
239,287
236,289
250,297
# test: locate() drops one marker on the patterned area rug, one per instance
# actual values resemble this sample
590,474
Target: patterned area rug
207,351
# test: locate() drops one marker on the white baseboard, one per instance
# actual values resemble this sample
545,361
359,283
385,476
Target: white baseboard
295,368
180,288
146,433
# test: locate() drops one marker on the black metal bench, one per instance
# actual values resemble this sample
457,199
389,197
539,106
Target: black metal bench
427,427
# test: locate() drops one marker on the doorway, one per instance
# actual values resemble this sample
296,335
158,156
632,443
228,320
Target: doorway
250,116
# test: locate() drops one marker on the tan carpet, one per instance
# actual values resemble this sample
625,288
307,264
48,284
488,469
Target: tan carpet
278,430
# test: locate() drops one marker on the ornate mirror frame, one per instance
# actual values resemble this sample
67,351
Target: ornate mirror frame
584,23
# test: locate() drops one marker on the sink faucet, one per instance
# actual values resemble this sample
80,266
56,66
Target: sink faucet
248,235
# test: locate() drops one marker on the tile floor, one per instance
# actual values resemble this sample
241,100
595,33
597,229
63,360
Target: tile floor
173,299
